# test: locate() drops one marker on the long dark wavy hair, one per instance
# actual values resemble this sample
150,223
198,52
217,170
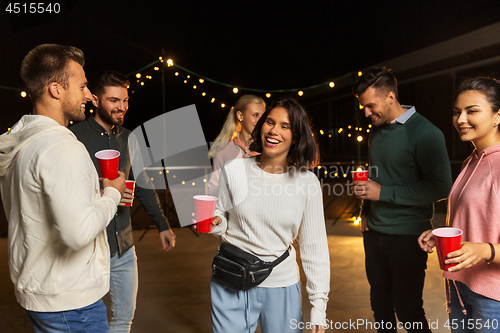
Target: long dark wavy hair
304,152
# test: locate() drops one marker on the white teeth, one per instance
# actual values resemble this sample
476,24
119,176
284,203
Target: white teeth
272,140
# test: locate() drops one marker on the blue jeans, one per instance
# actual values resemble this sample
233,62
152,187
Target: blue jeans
481,311
91,318
277,310
123,290
395,268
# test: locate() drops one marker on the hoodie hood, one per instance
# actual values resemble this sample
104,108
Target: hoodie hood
25,130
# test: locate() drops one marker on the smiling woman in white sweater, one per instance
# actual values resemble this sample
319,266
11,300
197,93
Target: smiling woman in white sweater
265,202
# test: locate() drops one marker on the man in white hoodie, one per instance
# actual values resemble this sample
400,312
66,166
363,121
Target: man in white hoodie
58,250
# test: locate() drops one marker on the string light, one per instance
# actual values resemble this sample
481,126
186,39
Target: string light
203,93
138,75
142,83
23,94
223,105
170,62
201,80
331,84
213,100
176,73
235,90
194,87
321,132
268,95
157,68
300,93
185,81
349,135
91,111
360,138
361,107
360,73
188,76
349,127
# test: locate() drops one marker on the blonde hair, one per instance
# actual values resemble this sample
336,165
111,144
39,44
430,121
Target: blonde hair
232,127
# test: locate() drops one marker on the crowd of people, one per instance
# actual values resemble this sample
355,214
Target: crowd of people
70,234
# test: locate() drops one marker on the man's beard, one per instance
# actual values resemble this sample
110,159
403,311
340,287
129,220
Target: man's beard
72,114
108,117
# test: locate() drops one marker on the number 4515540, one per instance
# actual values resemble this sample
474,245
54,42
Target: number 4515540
33,8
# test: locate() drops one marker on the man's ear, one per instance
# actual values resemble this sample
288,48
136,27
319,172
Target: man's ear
55,90
391,97
95,100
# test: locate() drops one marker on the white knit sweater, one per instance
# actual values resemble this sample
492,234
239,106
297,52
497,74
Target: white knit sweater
262,213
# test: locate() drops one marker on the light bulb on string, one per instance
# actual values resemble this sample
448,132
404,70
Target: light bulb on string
157,68
138,75
331,84
23,94
170,62
235,90
201,80
176,73
300,93
268,95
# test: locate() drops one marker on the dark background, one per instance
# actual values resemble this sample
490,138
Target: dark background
263,45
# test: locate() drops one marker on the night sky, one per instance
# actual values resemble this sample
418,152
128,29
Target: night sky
276,45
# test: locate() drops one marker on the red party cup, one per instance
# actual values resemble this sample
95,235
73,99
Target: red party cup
204,208
447,240
131,186
108,163
361,175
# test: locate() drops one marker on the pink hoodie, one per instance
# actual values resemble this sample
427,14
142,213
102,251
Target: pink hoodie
474,207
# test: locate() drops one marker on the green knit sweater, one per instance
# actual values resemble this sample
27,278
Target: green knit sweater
411,164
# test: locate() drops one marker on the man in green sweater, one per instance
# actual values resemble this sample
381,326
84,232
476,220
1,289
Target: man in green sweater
410,170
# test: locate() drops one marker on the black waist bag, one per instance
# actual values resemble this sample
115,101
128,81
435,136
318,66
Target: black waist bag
241,270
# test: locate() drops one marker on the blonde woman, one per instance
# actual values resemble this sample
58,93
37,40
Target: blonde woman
236,136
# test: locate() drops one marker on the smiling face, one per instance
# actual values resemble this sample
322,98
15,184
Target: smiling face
377,105
112,105
276,134
250,117
76,95
474,119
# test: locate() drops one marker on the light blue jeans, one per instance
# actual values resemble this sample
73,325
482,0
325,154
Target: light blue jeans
483,313
123,291
91,318
277,310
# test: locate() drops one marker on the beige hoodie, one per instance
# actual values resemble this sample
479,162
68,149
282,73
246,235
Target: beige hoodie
58,252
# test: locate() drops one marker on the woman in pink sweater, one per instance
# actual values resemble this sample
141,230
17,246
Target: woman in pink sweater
474,207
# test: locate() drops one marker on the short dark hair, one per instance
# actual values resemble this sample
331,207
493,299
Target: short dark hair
378,77
487,86
107,78
48,63
304,152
